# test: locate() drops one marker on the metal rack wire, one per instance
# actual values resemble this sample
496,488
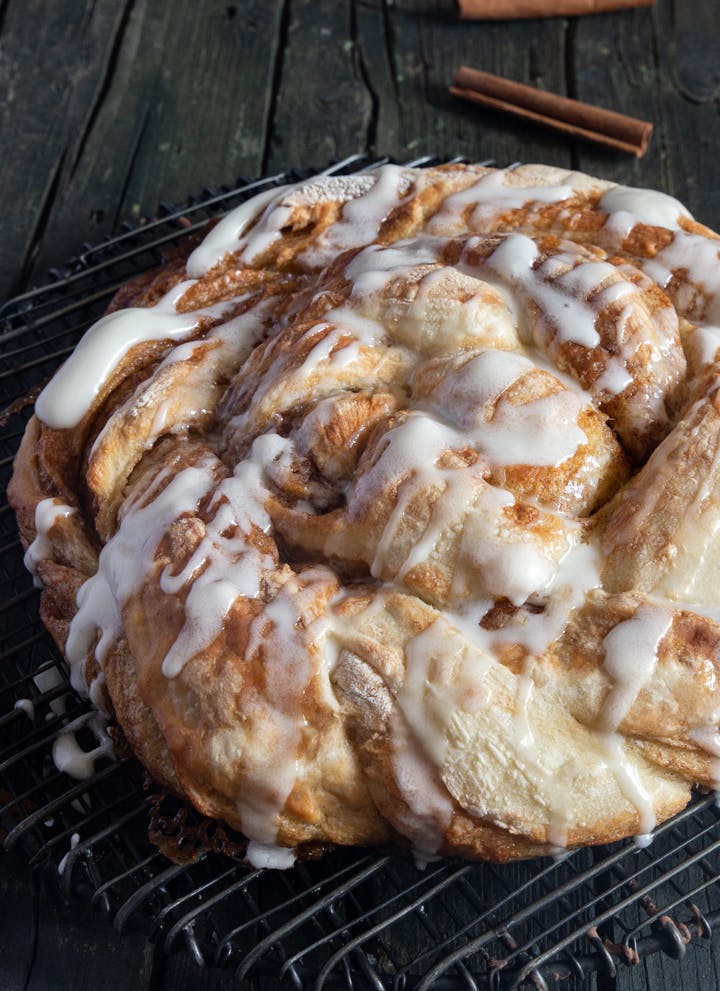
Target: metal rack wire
354,919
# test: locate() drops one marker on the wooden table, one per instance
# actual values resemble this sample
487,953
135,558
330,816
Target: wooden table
111,107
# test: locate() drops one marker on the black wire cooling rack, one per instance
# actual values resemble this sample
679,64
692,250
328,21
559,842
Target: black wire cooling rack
354,919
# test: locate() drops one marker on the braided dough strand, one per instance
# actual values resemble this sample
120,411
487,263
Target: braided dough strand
389,511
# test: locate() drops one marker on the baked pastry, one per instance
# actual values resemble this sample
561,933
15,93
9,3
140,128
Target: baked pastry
389,510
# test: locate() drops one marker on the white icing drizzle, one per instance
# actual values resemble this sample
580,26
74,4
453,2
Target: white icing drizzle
708,739
449,701
523,698
542,432
339,323
226,235
266,856
369,198
615,379
362,216
629,782
577,574
45,681
513,569
698,297
703,345
234,338
490,197
69,756
47,513
648,206
74,840
97,692
69,395
558,819
631,651
420,744
376,265
27,707
559,294
617,228
429,805
467,410
124,563
465,393
344,322
443,308
223,567
293,648
227,344
643,840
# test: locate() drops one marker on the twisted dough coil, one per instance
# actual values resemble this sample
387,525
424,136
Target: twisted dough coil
389,510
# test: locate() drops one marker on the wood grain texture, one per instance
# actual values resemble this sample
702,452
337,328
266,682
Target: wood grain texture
17,928
698,970
185,106
54,59
110,106
79,951
150,101
428,44
322,106
48,946
635,57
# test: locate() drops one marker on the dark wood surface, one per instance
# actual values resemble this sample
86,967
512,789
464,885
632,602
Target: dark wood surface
111,106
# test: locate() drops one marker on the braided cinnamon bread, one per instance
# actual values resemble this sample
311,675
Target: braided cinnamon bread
389,510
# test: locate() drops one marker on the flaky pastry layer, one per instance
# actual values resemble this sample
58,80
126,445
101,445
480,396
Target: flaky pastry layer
387,510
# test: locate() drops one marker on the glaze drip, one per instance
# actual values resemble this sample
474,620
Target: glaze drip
439,419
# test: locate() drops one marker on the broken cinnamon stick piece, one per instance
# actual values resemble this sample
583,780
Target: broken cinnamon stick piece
581,120
495,10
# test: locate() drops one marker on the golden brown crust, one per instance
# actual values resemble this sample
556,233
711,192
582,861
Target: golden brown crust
349,521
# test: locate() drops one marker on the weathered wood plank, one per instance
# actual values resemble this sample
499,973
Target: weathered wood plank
404,55
687,44
653,64
375,50
115,114
53,60
179,972
17,928
323,108
615,64
49,946
186,106
429,44
699,969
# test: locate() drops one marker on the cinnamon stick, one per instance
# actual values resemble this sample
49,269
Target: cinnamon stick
495,10
581,120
